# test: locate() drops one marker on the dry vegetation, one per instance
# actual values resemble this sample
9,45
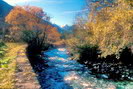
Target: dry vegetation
7,72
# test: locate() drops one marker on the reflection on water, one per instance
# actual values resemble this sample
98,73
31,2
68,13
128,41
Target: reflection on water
63,73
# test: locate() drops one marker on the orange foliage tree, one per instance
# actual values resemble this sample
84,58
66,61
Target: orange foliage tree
30,18
20,19
53,35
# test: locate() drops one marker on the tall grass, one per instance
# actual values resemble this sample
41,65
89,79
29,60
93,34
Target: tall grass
8,66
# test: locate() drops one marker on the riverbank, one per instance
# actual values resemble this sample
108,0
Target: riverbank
111,71
17,71
110,67
25,77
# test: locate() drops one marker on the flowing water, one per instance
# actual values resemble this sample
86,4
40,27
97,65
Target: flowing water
63,73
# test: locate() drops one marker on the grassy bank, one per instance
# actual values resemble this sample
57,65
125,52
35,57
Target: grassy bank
8,65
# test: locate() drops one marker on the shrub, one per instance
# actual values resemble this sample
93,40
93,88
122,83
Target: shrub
88,53
36,40
2,49
37,43
126,56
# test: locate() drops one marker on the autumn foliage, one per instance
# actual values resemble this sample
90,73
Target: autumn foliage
30,18
109,26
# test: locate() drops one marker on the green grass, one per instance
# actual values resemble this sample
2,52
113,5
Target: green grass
8,65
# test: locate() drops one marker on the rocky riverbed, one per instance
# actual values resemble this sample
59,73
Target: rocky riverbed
63,73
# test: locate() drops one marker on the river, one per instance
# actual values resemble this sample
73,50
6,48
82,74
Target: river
64,73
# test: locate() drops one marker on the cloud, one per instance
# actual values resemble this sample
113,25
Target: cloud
14,2
76,11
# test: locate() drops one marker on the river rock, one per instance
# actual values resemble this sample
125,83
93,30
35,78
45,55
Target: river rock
103,76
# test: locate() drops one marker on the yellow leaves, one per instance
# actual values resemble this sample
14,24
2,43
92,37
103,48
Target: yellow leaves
19,16
52,34
37,11
16,14
73,42
112,28
22,19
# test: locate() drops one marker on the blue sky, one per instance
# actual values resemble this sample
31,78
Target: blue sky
61,11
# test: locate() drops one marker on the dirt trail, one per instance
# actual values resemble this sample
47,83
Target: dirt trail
25,78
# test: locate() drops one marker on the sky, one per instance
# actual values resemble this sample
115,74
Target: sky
62,12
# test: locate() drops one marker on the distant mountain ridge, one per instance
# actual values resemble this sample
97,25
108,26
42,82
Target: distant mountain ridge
68,28
60,30
64,29
5,8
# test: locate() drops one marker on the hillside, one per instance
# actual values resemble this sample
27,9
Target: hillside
5,8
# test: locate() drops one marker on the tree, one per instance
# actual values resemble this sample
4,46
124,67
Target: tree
21,19
110,28
3,28
30,18
37,11
53,35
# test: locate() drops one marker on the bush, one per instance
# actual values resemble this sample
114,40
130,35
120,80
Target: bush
27,36
126,56
36,40
2,49
88,53
37,43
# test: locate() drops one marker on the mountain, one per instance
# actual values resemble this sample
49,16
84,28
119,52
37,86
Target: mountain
60,30
5,8
67,28
64,29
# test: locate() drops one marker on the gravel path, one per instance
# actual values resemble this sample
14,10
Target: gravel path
25,78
